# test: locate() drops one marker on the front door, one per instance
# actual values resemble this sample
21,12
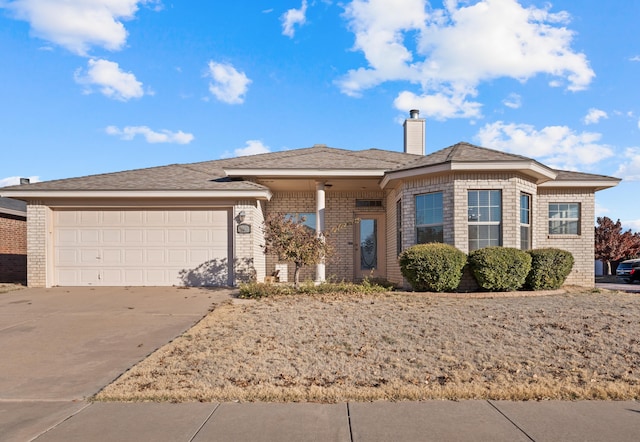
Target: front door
370,249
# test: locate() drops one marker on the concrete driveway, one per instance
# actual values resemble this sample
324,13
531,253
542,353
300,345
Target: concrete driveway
60,346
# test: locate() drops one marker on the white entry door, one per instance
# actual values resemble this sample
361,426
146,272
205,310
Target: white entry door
141,247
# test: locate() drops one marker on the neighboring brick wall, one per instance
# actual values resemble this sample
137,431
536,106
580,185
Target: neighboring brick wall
13,248
37,222
582,245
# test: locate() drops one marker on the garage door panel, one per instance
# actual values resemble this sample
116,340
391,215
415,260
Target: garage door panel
112,256
134,256
67,256
134,218
138,247
89,236
156,236
112,236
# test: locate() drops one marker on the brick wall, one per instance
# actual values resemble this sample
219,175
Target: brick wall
455,188
581,246
37,233
13,248
249,260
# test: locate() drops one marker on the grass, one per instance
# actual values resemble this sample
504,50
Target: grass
8,287
399,346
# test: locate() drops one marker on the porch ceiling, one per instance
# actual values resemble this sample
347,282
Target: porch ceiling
331,184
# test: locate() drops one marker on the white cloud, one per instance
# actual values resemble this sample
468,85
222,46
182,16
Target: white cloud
635,58
633,224
630,168
77,25
164,136
112,82
293,17
15,180
594,116
252,147
459,47
556,146
514,101
441,105
228,85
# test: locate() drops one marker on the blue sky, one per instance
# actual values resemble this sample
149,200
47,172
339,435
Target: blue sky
95,86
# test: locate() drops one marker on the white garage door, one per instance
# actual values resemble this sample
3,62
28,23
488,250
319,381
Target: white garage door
141,247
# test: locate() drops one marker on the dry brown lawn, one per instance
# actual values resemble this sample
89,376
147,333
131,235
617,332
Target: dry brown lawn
399,346
8,287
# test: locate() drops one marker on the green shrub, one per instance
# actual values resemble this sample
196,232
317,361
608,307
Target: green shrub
549,268
433,267
500,269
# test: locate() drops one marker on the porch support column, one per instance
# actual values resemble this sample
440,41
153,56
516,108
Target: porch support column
320,202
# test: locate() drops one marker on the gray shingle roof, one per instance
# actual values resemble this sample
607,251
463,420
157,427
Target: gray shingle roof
210,175
10,205
462,152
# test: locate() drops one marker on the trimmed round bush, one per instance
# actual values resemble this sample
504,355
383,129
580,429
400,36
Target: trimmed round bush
500,269
433,267
549,268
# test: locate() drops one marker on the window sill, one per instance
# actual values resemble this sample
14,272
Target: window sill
564,236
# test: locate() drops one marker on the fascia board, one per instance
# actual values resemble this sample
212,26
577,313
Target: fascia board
595,184
410,173
34,194
538,170
308,173
524,166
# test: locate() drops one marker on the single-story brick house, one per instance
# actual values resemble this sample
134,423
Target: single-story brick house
200,223
13,241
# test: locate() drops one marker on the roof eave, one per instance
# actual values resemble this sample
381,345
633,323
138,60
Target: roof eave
39,194
597,185
306,173
532,168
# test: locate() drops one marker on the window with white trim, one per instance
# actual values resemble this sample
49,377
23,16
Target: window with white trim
525,221
564,218
484,218
429,216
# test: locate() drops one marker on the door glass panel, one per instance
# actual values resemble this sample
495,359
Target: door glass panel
368,244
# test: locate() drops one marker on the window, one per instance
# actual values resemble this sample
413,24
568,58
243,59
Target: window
308,219
485,216
429,226
564,219
525,221
398,227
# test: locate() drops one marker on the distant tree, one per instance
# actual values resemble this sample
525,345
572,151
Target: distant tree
612,244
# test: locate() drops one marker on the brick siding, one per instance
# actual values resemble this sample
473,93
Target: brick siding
37,228
13,248
455,218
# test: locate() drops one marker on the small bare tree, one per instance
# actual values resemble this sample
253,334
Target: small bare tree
293,241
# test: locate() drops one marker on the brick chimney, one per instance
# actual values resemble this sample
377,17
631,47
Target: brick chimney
414,133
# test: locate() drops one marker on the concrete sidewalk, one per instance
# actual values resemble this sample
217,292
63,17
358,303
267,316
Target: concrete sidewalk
378,421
